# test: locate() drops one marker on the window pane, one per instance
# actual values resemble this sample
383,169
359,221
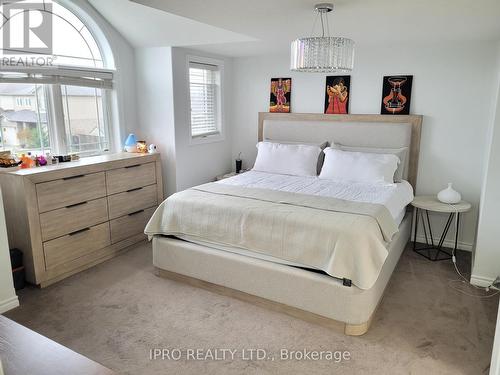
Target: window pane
23,118
204,87
72,42
85,120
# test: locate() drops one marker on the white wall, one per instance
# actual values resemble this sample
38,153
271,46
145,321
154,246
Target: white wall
452,88
165,117
8,298
487,253
199,163
156,107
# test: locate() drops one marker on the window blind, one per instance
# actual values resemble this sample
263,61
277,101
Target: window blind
97,78
203,89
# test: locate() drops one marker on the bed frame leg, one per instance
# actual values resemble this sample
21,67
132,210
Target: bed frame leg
356,329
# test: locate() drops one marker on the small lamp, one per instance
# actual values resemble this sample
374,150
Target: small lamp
131,143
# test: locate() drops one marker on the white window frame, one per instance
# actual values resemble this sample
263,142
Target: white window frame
208,138
53,78
58,137
112,98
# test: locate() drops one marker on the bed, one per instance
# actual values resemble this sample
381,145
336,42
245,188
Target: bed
314,249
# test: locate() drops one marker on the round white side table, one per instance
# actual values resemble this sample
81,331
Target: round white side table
425,203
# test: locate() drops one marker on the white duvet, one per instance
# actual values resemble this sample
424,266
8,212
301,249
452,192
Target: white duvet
393,196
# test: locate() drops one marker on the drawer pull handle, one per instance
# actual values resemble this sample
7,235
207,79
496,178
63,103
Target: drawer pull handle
76,204
78,231
72,177
135,213
133,166
135,189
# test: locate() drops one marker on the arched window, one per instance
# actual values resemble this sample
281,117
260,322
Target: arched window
55,82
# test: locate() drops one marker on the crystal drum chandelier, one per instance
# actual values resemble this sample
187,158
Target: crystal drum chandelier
322,53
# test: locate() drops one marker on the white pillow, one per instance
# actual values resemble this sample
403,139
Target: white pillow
321,145
399,152
292,159
359,166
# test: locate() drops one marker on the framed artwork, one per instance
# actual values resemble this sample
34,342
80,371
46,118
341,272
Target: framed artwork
337,93
281,89
396,95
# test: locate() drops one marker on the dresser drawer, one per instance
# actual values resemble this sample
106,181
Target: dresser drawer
72,218
72,246
70,190
130,177
132,201
130,225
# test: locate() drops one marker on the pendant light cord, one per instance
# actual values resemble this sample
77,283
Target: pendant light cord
327,25
314,24
322,25
324,22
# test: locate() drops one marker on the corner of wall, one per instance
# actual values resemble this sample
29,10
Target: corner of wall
9,304
486,266
155,107
8,297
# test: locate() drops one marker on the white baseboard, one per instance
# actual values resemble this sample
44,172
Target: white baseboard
481,280
447,243
8,304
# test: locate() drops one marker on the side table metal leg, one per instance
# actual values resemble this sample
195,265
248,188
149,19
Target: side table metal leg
425,229
430,228
416,228
446,229
428,251
443,236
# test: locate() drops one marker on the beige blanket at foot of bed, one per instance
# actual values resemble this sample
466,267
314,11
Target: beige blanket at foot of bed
343,238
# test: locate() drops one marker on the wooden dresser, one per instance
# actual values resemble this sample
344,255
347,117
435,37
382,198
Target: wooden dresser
70,216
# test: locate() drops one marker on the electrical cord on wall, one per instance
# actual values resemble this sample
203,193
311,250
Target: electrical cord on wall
465,280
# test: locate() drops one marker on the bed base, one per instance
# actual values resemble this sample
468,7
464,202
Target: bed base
306,295
338,326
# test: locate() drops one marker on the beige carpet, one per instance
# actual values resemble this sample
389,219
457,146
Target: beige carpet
116,312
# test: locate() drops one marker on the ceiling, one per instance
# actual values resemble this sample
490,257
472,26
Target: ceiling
144,26
243,27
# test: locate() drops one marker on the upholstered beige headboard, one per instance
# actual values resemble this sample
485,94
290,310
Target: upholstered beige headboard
351,130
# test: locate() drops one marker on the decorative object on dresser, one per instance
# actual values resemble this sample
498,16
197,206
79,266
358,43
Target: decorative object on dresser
68,217
425,203
396,95
449,195
131,143
142,147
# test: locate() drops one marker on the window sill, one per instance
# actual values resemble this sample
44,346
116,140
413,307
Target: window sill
206,139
